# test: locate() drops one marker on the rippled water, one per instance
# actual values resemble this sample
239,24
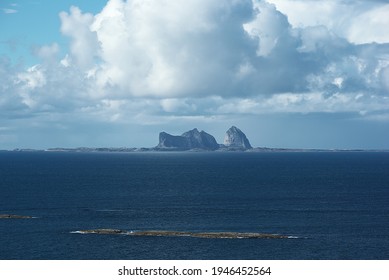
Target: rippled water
336,204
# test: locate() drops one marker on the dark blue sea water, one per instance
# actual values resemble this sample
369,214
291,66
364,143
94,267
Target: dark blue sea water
337,204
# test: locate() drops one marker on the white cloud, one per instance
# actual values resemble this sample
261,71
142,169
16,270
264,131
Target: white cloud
171,48
380,117
33,77
384,75
370,26
268,27
318,38
305,103
9,11
177,105
358,21
303,13
149,61
83,45
48,53
168,49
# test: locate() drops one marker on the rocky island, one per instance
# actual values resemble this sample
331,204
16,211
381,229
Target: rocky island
10,216
165,233
236,139
193,139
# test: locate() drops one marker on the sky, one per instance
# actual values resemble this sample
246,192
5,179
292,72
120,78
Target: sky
288,73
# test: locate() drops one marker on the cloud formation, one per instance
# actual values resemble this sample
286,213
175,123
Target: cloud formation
138,59
358,21
9,11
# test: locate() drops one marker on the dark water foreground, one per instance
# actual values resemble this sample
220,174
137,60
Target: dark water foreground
335,204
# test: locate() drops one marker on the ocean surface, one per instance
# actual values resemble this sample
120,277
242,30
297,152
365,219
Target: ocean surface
335,204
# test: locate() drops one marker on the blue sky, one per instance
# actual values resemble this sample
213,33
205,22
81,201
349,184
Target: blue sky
289,73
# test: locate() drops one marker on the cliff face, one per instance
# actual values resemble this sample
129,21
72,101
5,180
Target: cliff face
192,139
170,141
235,138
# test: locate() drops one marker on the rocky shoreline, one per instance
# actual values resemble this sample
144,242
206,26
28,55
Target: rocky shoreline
164,233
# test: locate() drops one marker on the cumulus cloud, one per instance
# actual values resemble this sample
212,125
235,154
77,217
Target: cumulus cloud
83,44
169,48
199,58
47,53
370,26
268,27
10,101
358,21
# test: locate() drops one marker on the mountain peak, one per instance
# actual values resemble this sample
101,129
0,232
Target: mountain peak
192,139
194,131
235,138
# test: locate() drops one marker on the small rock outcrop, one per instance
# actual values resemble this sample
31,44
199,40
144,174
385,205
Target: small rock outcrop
235,138
11,216
166,233
189,140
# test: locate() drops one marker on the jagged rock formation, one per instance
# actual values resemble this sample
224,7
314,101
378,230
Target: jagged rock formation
182,233
192,139
167,140
235,138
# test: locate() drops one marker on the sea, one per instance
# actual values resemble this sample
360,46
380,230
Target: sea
331,205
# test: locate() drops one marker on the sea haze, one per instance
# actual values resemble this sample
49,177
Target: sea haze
336,204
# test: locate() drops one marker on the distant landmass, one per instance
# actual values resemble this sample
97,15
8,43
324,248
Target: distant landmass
166,233
235,138
192,139
195,140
